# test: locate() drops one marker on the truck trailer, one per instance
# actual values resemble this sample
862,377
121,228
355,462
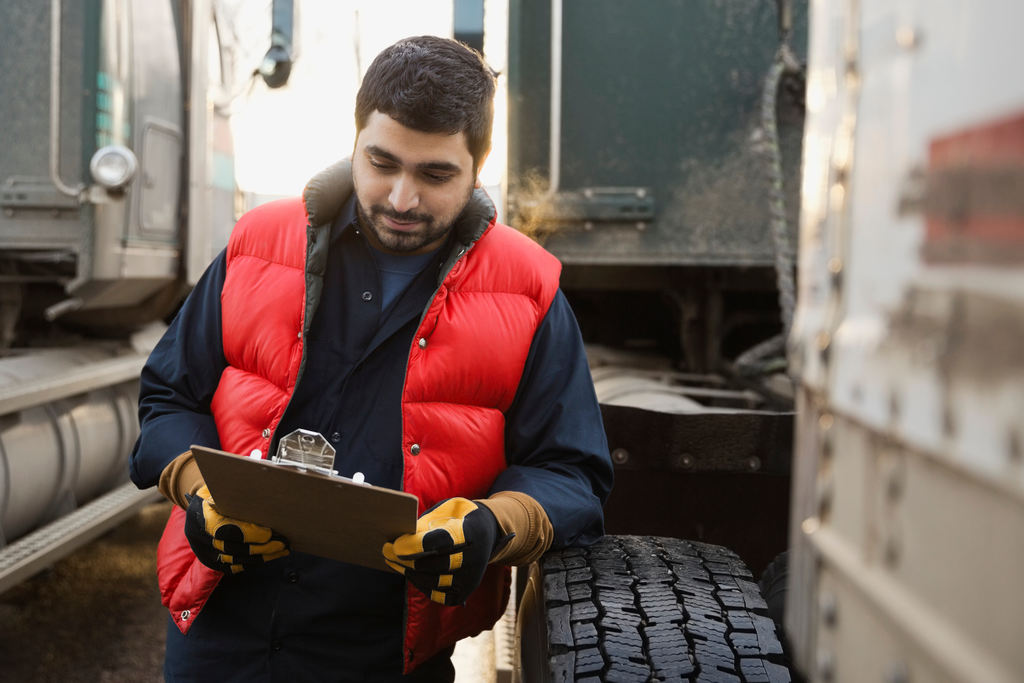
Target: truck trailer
792,232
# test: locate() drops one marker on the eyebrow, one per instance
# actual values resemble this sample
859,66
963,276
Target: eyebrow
426,165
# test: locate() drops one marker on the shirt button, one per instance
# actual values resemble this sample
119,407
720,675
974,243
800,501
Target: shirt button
293,577
367,295
422,342
415,449
336,436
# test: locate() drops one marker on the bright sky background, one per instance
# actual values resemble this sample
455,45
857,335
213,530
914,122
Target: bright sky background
284,136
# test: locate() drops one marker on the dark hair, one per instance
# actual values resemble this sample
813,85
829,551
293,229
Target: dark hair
434,85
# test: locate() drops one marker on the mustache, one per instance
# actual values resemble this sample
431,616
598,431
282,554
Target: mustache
403,217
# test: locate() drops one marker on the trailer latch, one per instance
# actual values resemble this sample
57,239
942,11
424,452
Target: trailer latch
594,204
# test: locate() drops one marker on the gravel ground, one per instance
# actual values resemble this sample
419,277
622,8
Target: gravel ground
94,616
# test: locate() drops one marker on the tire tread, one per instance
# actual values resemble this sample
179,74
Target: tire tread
640,608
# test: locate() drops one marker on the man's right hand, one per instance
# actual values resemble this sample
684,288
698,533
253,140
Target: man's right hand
225,544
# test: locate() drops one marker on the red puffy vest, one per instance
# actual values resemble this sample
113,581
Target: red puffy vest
463,372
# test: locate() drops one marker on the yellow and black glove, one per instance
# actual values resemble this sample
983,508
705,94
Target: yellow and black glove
225,544
449,552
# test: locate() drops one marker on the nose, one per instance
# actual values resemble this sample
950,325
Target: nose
404,196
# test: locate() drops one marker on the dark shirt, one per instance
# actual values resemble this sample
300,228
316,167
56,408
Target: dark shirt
305,617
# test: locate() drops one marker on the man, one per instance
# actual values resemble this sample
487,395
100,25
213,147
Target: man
431,347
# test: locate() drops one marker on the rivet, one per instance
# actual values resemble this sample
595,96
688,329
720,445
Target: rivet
907,37
837,194
948,420
826,665
828,608
852,74
422,342
894,405
824,496
684,461
894,484
827,445
620,456
415,449
810,526
266,433
892,550
1013,448
897,672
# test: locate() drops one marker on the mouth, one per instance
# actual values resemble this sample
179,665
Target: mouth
401,225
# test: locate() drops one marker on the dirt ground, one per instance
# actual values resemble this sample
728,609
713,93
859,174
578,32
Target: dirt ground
94,616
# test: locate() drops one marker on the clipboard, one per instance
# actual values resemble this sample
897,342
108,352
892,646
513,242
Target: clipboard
332,517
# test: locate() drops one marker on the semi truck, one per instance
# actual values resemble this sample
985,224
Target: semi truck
792,234
116,189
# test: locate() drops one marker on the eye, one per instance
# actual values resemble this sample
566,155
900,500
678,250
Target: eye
380,164
437,177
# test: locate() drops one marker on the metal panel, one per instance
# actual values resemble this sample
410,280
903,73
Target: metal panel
910,482
711,476
35,214
157,120
660,96
161,167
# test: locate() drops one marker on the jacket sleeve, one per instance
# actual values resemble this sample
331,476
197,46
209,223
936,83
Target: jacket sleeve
554,438
178,382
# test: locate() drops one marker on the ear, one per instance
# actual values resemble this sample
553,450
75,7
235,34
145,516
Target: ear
483,160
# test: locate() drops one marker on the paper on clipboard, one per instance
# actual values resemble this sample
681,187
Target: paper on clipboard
327,516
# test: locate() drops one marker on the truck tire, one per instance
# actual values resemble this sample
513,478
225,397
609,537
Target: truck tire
641,608
773,584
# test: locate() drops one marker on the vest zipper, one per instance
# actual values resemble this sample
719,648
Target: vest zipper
319,235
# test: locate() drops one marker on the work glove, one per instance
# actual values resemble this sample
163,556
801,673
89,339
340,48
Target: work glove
449,552
225,544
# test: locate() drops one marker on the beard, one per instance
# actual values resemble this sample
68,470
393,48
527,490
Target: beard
431,230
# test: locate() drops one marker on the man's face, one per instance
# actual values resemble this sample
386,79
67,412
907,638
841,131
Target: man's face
410,185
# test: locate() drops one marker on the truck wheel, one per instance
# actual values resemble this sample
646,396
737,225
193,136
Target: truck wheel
640,608
773,587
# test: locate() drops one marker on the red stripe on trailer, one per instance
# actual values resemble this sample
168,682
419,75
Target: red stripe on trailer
974,207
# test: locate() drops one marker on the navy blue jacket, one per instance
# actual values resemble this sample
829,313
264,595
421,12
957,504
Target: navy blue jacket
304,617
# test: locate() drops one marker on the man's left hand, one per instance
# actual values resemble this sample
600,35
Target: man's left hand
449,552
